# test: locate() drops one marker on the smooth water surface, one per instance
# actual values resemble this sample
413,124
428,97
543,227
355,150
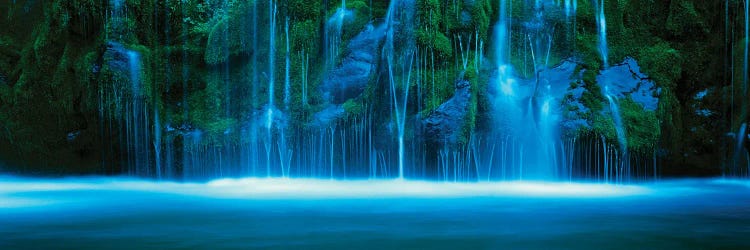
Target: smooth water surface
113,213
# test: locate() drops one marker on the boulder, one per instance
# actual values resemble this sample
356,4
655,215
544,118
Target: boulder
116,57
445,123
350,78
627,80
327,115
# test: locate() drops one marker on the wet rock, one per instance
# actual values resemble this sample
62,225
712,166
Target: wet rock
327,116
116,57
444,125
564,84
574,109
701,103
627,80
350,78
465,18
73,135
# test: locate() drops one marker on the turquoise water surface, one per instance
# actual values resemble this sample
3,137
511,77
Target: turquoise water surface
119,213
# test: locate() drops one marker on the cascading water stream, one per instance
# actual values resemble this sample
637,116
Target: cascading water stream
619,129
741,137
400,102
502,51
332,33
137,118
124,102
570,8
745,83
251,156
271,82
528,119
285,154
601,22
746,75
529,144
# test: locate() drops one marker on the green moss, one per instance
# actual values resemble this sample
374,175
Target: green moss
588,50
439,91
206,105
481,14
228,33
642,126
435,41
303,9
662,63
430,13
353,107
602,124
301,34
592,98
684,19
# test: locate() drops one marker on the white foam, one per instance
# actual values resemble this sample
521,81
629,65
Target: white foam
282,188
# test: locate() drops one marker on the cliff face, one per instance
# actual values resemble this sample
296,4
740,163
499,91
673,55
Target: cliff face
144,87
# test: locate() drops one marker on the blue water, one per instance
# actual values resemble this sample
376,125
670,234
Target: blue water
115,213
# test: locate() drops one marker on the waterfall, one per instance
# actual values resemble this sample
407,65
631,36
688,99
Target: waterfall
271,81
284,153
502,34
185,81
570,7
287,77
747,41
601,22
620,130
252,157
524,143
157,142
332,34
527,111
741,136
502,51
138,141
399,108
134,66
744,85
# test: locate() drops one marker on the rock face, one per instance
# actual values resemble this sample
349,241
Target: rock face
624,80
349,79
574,107
557,83
627,80
116,57
445,123
327,115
